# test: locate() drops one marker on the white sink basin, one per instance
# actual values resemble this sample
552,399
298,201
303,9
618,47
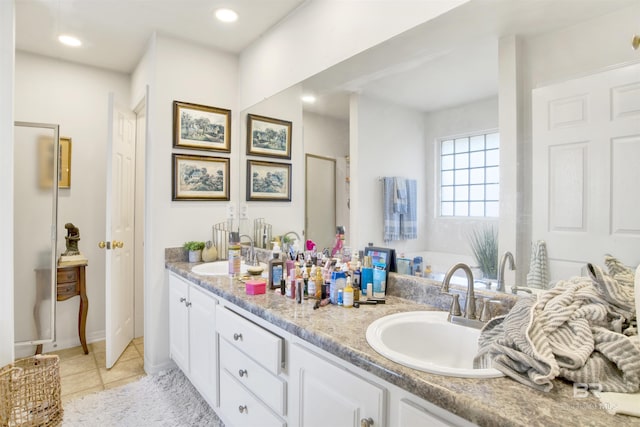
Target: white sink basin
221,268
424,340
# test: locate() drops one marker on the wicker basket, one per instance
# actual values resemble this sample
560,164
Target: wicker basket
30,392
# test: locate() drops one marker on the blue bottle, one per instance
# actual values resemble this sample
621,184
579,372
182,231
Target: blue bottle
366,276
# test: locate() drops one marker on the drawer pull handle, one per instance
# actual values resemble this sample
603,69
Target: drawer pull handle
366,422
242,372
237,337
183,299
242,408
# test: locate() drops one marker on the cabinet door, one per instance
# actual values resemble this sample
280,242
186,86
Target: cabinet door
326,394
202,344
179,322
411,414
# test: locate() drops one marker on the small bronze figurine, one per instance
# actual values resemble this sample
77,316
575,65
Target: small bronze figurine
72,237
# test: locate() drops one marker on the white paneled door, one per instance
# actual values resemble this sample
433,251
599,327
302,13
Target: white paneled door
120,231
586,170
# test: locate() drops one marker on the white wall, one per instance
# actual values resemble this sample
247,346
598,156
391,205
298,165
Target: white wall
176,70
7,60
451,234
329,137
75,97
387,140
322,33
284,216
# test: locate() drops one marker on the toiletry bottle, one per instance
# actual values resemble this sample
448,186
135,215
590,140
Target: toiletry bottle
308,264
417,266
276,267
357,276
289,263
311,289
347,294
283,283
305,284
366,275
379,282
292,286
356,292
333,290
299,291
234,253
320,292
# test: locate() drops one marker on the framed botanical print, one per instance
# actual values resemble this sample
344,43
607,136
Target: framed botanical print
268,181
201,127
200,177
268,137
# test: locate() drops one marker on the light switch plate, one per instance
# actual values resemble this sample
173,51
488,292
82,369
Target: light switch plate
244,211
231,211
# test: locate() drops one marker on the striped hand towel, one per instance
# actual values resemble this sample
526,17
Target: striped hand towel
391,219
569,331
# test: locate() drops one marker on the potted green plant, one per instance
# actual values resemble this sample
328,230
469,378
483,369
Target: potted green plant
195,250
484,244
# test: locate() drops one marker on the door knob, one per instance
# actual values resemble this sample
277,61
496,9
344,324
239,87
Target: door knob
366,422
104,244
117,244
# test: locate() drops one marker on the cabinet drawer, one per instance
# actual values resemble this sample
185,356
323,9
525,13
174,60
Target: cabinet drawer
263,346
270,389
67,289
241,408
67,275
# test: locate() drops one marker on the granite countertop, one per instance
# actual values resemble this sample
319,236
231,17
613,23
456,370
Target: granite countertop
341,331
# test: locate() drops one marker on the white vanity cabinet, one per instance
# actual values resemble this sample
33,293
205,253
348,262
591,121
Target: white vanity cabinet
192,335
255,374
325,393
252,386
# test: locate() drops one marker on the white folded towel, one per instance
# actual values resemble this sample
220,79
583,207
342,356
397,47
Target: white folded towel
620,403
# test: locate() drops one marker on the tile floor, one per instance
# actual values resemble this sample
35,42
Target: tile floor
82,374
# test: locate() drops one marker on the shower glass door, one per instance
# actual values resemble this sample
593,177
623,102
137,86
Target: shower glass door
36,165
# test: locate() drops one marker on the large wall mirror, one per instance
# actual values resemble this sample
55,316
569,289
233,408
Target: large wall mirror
471,70
36,159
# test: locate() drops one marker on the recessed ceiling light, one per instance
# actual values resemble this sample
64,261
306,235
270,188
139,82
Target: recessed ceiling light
226,15
309,99
69,40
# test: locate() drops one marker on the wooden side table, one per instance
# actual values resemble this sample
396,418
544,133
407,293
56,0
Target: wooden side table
71,281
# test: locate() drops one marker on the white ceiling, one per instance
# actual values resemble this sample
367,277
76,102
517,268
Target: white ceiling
446,62
116,32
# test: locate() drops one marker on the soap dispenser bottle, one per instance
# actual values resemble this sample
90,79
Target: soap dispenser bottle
234,254
276,267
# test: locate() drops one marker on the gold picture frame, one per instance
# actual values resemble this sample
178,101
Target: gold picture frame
268,181
200,127
200,177
46,158
64,163
268,137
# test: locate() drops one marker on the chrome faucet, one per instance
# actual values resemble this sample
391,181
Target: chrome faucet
503,261
251,259
470,307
